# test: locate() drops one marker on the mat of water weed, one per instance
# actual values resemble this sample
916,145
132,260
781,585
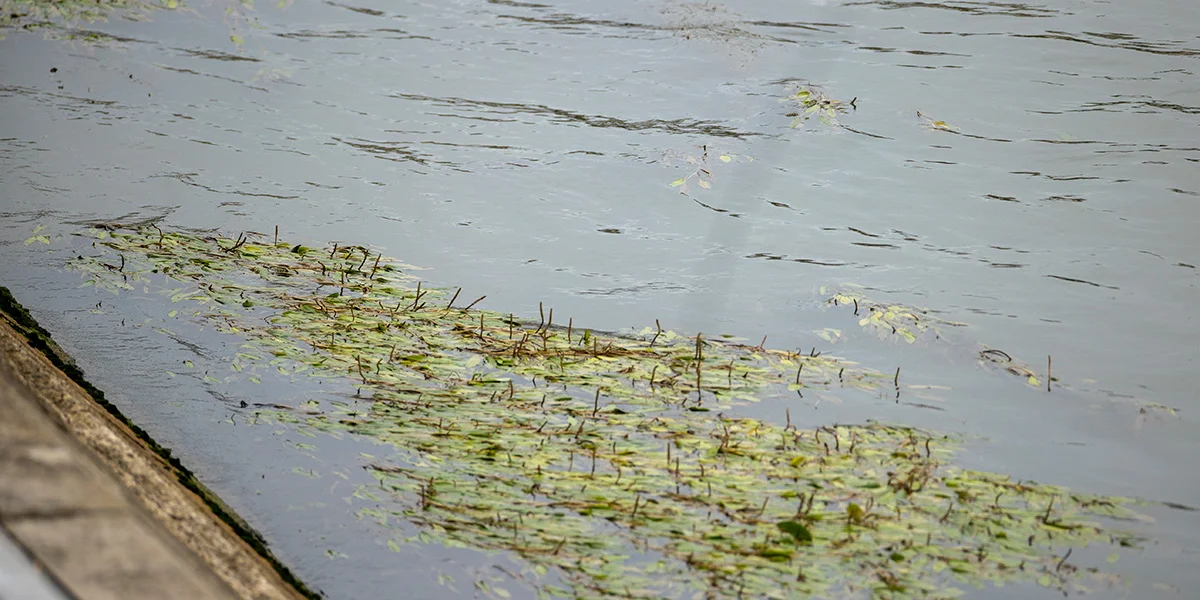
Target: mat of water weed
52,16
610,463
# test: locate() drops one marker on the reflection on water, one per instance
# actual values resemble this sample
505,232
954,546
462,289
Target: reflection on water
1028,169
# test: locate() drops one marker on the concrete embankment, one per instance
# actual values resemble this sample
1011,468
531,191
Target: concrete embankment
96,505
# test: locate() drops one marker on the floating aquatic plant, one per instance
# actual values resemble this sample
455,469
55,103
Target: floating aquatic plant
51,15
888,320
812,102
701,169
909,323
613,465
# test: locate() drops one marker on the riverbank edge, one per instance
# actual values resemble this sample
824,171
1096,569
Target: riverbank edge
163,487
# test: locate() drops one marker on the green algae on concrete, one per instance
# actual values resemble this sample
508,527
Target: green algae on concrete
613,465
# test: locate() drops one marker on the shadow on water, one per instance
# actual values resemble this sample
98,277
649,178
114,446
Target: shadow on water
1028,170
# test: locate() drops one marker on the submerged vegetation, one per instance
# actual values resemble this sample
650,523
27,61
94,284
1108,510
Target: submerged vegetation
613,465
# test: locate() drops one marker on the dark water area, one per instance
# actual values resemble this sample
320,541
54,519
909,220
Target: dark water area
1028,170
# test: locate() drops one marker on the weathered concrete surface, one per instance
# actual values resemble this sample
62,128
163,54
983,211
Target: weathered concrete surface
22,579
104,515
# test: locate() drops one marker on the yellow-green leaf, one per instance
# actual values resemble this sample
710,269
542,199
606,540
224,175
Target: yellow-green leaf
799,532
855,512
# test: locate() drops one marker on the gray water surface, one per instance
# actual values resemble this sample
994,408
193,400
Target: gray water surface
525,151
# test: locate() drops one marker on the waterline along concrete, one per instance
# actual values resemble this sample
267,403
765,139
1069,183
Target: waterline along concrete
92,509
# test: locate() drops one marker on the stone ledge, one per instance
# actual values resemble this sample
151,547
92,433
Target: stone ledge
105,515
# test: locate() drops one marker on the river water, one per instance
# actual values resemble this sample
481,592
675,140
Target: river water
1028,170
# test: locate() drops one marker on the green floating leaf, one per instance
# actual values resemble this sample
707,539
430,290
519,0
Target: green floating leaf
677,183
799,533
182,295
854,512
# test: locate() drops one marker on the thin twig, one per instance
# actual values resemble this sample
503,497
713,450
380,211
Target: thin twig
453,299
477,300
417,298
1063,560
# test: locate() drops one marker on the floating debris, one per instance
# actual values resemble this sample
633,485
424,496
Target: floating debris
612,465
